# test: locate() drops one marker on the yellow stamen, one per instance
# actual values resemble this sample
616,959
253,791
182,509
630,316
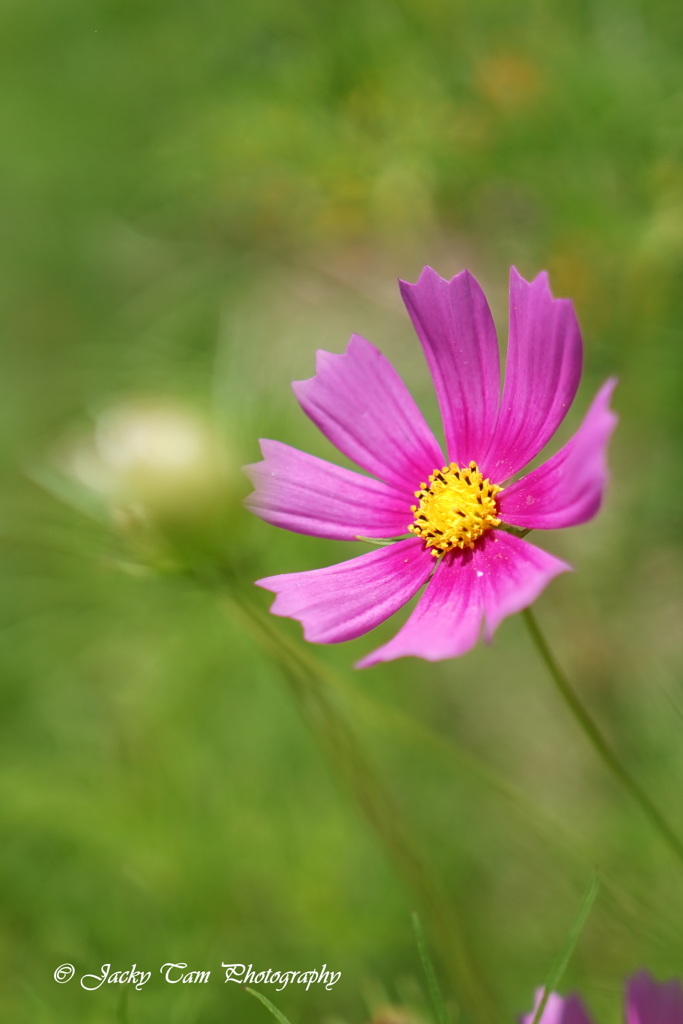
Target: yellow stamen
455,508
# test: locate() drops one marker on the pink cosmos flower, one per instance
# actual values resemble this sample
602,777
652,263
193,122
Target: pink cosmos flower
455,507
647,1002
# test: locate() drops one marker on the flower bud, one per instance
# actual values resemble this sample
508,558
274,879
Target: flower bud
167,480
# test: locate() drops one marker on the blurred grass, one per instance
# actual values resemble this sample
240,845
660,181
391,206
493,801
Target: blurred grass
194,198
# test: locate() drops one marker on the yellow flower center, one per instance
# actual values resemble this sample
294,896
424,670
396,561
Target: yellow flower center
456,507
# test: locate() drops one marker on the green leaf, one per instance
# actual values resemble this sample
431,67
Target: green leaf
379,542
516,531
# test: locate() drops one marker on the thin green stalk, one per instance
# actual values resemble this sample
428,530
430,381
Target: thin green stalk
123,1008
273,1010
318,704
438,1002
560,966
598,741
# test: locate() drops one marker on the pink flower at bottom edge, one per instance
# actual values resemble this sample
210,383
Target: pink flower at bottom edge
647,1002
558,1010
653,1002
454,507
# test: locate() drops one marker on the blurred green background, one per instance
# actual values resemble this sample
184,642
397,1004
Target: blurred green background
193,198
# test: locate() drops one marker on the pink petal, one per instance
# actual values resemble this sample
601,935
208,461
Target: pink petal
541,376
361,404
567,489
446,620
454,324
299,492
500,577
651,1002
346,600
557,1010
511,573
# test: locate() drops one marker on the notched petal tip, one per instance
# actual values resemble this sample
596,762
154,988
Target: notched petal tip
541,282
428,274
516,278
254,470
541,279
324,359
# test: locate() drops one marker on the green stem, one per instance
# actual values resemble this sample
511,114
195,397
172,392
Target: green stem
318,703
600,744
